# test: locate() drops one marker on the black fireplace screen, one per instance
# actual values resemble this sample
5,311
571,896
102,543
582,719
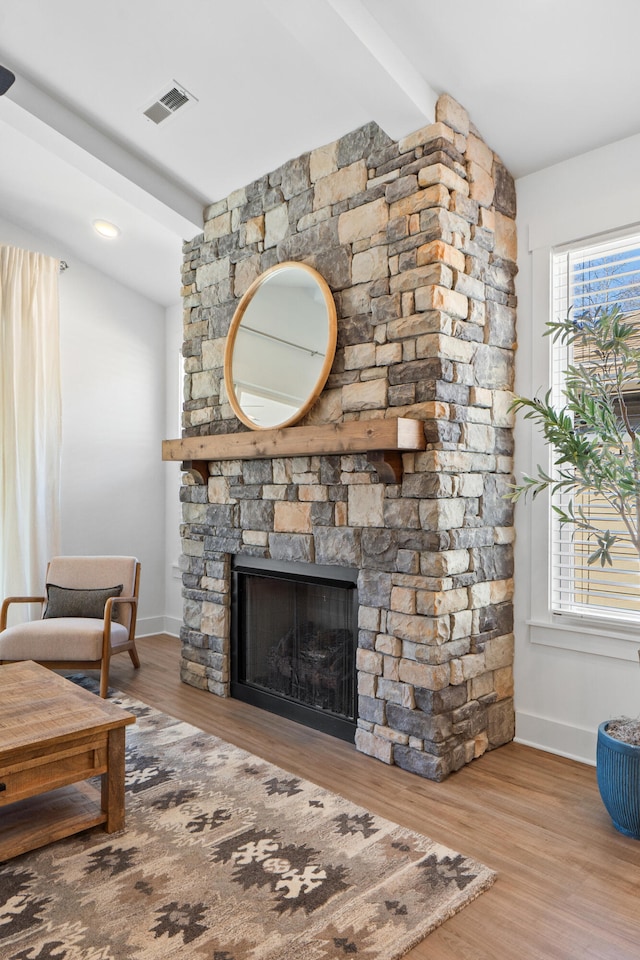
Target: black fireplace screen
294,641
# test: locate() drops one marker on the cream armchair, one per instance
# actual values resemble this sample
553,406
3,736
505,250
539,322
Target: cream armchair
88,615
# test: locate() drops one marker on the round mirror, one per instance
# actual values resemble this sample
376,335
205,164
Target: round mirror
280,346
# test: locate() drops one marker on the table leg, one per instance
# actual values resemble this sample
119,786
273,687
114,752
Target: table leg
113,782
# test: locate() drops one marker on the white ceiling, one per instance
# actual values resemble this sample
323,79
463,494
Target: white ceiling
543,80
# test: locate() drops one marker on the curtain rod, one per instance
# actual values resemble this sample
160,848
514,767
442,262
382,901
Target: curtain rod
63,266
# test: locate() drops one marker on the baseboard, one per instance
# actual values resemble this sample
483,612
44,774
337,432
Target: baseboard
148,626
563,739
172,626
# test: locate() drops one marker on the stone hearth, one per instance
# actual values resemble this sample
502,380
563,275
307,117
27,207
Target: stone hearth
416,240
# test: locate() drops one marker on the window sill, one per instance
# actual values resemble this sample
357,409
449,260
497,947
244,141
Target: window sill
603,642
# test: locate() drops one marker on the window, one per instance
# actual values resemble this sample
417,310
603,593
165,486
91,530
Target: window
585,279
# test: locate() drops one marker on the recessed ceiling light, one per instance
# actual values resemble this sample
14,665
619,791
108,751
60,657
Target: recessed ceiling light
106,229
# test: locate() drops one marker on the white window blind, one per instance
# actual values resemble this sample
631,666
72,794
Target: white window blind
586,278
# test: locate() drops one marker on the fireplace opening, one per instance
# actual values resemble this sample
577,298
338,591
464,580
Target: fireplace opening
293,636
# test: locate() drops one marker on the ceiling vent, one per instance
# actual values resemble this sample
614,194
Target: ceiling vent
173,98
6,79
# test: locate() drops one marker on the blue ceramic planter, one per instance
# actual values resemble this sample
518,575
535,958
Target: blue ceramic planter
618,769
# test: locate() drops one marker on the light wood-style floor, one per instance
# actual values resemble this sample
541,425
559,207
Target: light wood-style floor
568,884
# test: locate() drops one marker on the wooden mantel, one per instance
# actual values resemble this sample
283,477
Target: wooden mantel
384,441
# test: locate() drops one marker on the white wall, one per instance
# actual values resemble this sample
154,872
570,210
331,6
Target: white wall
113,480
563,693
173,508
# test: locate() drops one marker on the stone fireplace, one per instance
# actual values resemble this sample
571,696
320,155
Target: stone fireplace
416,240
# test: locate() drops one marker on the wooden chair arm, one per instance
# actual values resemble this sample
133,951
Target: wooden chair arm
110,602
106,639
7,603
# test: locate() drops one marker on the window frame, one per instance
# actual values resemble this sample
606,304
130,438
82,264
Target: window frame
587,276
594,634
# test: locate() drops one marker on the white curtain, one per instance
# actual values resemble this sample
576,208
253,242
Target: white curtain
30,419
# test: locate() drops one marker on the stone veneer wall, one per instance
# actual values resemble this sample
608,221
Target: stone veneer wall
417,242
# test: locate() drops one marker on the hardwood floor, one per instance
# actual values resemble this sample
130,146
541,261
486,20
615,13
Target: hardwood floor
568,883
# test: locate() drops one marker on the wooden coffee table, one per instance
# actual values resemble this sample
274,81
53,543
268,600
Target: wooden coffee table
54,736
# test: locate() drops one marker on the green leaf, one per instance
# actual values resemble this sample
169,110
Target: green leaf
596,453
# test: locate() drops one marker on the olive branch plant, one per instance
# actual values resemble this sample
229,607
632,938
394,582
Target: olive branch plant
596,448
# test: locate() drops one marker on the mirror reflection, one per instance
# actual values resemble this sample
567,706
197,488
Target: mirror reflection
280,346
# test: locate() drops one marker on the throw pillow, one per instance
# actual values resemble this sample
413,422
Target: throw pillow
70,602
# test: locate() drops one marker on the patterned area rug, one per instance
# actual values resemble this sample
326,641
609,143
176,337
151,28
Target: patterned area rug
226,857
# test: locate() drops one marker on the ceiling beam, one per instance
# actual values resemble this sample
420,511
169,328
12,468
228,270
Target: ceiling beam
343,36
67,135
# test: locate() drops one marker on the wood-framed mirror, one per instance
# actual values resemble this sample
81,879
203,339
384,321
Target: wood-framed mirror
280,346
